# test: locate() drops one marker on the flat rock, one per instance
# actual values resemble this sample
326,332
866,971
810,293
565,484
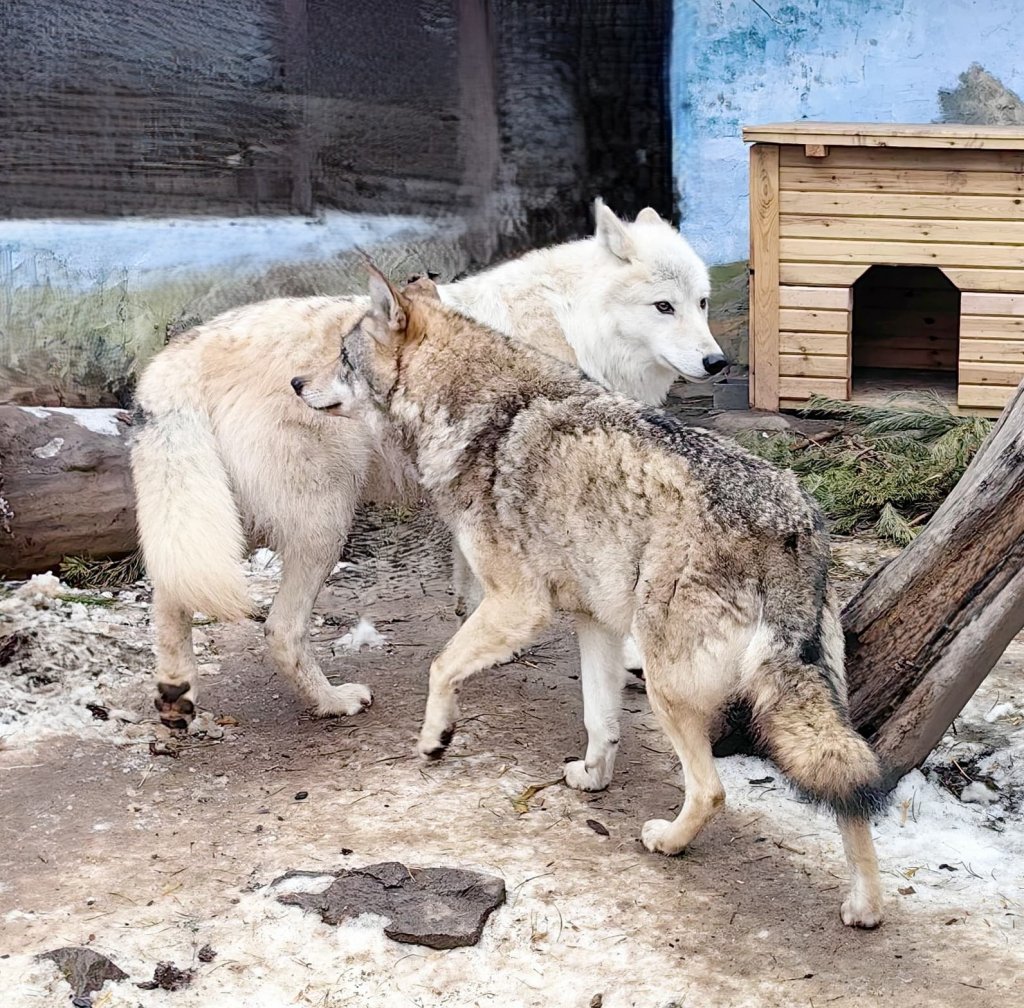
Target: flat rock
84,968
441,908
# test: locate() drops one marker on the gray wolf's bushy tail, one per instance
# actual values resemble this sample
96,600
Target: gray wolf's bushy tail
189,524
805,729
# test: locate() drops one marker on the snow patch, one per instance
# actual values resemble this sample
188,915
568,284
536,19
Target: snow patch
363,634
99,421
304,884
978,793
49,449
1000,710
265,561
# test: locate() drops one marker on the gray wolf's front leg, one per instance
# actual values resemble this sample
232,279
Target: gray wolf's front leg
497,628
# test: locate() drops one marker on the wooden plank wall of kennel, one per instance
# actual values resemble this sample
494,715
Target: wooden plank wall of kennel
830,200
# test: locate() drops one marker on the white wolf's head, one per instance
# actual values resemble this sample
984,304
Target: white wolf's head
652,292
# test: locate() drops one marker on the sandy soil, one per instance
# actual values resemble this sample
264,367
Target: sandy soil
147,857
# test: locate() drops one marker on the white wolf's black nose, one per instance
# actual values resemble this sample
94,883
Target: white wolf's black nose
298,383
713,363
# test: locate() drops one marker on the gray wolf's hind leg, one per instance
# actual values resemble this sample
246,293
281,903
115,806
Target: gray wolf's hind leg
177,674
809,737
602,673
863,905
305,568
497,628
687,727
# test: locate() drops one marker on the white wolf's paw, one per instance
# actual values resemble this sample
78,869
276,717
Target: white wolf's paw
579,777
351,698
861,912
653,837
433,743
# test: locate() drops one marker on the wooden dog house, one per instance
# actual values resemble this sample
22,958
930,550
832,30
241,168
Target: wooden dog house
885,257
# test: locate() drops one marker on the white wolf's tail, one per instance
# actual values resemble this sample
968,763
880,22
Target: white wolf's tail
189,525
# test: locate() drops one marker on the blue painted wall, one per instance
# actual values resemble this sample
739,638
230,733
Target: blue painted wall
737,62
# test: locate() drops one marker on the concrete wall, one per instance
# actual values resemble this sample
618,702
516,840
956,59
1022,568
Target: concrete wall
754,61
435,133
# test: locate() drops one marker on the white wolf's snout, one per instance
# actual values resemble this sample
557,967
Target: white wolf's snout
696,355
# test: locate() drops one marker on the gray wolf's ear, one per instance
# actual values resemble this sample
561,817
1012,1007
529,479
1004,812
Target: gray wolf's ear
649,216
388,317
611,232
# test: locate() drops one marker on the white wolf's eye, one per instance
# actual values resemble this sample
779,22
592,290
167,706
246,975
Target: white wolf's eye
703,304
665,307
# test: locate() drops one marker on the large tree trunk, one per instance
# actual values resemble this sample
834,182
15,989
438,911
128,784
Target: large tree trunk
65,488
925,630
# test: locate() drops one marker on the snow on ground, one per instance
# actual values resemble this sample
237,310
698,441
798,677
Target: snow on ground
952,845
363,635
65,650
558,940
70,650
99,421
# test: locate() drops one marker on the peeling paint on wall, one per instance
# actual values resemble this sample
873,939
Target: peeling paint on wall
738,61
982,99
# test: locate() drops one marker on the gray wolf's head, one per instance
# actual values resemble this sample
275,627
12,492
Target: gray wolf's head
655,293
367,368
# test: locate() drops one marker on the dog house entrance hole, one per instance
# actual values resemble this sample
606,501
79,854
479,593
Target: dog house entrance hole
906,332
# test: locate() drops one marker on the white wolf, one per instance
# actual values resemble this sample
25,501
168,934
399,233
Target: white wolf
227,454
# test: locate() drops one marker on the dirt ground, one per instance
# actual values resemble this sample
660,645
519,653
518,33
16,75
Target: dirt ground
148,857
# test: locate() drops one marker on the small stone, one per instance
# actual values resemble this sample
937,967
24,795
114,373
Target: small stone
207,954
441,908
597,1001
598,827
302,796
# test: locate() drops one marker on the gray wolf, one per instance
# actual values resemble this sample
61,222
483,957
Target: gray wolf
226,456
565,496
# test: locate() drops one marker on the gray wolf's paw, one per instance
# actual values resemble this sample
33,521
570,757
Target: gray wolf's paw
433,743
656,836
351,698
860,912
579,777
175,704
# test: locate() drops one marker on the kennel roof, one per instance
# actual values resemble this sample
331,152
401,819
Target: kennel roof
943,136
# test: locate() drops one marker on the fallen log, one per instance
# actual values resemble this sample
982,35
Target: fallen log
925,630
65,487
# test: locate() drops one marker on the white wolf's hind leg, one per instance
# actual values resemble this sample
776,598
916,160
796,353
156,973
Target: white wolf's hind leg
602,673
468,591
497,628
632,658
177,675
687,727
287,631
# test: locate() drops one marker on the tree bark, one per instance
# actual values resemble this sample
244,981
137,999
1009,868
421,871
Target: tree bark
65,488
925,630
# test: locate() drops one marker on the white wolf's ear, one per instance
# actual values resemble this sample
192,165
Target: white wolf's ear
611,232
387,315
649,216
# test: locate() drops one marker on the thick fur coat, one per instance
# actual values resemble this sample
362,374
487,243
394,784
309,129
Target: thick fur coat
564,495
225,455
